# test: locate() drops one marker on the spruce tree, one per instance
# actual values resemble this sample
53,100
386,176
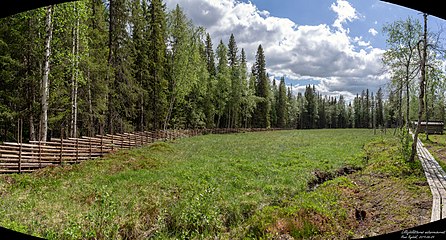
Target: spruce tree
309,108
158,84
122,88
140,64
96,88
209,108
263,108
236,85
282,104
223,86
379,108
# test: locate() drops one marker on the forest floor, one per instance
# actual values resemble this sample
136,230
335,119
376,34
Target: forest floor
312,184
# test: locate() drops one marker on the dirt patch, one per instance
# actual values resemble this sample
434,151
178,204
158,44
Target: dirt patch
383,205
376,204
321,176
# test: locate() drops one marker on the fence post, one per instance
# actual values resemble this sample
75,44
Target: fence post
113,144
77,150
130,141
40,154
61,146
19,140
102,153
89,152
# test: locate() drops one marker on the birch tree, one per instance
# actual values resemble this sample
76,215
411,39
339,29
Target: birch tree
402,59
74,74
180,58
46,71
422,50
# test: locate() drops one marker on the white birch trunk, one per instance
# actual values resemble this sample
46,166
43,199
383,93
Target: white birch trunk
46,72
74,77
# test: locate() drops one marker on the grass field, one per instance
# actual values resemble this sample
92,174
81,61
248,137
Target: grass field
436,146
236,186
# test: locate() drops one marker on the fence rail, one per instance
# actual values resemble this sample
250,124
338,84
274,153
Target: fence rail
29,157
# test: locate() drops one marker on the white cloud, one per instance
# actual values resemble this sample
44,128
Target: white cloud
345,13
361,42
321,52
373,31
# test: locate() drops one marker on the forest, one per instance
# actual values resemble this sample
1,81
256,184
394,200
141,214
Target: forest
93,67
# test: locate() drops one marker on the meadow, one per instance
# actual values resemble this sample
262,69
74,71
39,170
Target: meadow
234,186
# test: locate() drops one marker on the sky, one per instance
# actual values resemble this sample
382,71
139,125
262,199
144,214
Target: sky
335,45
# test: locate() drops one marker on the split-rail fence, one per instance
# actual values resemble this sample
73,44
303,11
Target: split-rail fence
29,157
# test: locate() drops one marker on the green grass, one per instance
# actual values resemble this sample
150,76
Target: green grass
234,186
436,146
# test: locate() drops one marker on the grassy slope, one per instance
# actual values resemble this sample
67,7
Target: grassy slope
393,192
437,147
230,186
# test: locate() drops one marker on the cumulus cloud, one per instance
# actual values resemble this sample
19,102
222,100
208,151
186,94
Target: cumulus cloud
345,13
361,42
325,52
373,31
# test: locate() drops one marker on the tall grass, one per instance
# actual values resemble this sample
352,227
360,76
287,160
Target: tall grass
226,186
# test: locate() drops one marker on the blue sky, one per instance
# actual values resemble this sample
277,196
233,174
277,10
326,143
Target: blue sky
372,14
335,44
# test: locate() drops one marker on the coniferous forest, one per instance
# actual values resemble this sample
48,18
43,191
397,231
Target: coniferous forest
93,67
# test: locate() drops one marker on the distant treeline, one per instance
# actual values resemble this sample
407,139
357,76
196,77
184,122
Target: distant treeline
312,110
87,68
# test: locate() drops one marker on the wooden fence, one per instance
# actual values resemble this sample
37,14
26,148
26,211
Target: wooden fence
28,157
